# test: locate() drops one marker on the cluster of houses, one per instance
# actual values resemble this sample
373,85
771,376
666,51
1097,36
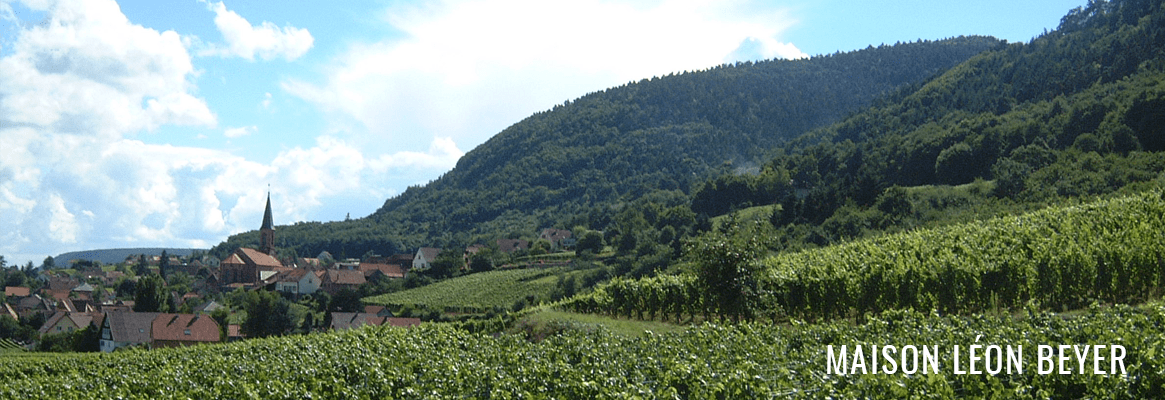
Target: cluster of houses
68,304
120,326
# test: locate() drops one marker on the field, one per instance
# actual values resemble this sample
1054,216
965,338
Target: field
477,292
739,361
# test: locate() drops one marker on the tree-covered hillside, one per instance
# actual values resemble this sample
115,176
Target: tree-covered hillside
581,161
1077,112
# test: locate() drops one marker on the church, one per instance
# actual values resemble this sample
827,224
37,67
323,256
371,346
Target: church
246,265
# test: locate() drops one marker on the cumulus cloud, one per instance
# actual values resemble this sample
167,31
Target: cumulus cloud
86,66
467,69
77,90
267,40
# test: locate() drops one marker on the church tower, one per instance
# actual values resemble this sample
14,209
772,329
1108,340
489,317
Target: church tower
267,232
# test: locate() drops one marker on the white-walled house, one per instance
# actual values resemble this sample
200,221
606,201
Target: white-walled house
425,257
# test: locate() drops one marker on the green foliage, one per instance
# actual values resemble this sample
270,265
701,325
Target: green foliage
150,294
726,270
741,361
268,314
1058,258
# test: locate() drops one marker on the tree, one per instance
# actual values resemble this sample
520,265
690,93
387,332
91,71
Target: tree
483,260
727,269
163,263
150,295
143,267
448,262
346,300
590,241
49,263
221,316
268,314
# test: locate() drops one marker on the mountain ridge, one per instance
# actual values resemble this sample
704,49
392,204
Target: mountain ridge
578,161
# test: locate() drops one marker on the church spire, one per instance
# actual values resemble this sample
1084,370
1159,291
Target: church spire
268,222
267,231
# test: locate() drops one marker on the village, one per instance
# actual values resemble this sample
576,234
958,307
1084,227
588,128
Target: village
167,301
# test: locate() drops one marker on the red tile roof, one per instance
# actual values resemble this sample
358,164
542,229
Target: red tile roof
17,291
259,258
345,277
402,322
389,270
185,328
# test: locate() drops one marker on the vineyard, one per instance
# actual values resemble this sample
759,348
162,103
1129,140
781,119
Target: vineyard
1058,258
740,361
7,345
477,292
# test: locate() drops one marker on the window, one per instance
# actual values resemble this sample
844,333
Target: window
187,332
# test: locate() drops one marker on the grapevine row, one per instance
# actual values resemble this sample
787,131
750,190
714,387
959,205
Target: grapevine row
1058,258
739,361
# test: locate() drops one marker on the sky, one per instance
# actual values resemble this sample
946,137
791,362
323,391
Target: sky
166,123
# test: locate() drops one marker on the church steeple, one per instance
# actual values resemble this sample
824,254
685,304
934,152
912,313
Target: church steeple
267,231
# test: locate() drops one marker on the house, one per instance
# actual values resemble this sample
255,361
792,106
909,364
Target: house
384,269
32,305
176,330
425,257
84,291
65,322
208,308
346,320
14,292
512,245
335,280
121,329
379,311
60,287
234,333
245,266
555,236
297,281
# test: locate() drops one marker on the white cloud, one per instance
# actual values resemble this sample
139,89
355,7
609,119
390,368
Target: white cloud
240,131
267,40
467,69
75,91
87,70
442,155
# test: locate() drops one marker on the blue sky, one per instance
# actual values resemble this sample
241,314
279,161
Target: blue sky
162,123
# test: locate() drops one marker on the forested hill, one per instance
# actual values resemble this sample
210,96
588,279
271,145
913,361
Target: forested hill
1079,111
572,164
662,134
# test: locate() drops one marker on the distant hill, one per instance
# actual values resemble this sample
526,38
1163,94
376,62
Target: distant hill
112,256
659,137
1079,111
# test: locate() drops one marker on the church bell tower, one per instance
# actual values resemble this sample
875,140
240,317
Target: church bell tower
267,232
